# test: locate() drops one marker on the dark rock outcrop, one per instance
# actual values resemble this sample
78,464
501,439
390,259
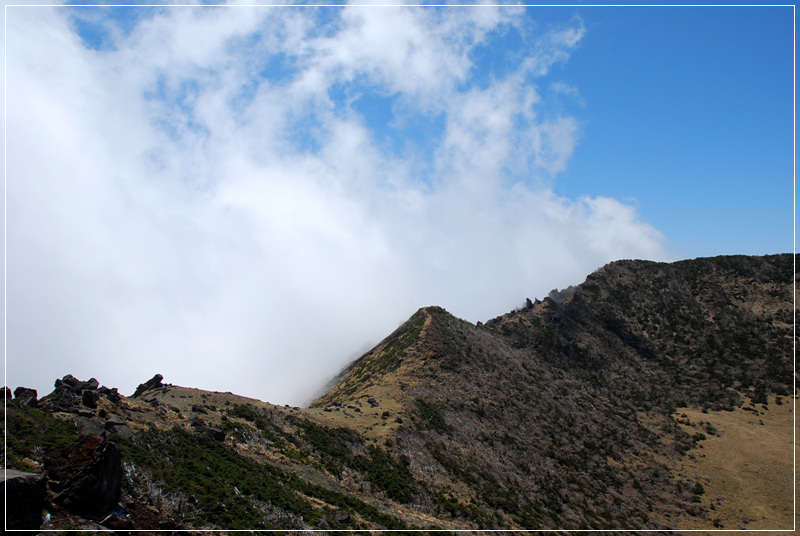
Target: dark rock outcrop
25,496
152,383
86,476
63,399
112,394
26,396
71,394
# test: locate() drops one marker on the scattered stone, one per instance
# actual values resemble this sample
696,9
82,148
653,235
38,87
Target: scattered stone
385,415
26,396
199,409
372,402
398,420
25,496
86,476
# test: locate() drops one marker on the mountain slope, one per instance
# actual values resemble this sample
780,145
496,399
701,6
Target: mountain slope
559,415
565,414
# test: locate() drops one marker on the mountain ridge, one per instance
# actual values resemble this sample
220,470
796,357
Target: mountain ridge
572,412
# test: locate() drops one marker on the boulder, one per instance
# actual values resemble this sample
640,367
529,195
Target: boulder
70,381
86,476
90,399
152,383
196,421
212,432
341,516
24,496
114,421
26,396
92,384
123,431
89,426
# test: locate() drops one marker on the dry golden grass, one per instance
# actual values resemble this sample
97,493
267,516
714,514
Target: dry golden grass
746,469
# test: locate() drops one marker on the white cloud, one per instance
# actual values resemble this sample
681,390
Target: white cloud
170,211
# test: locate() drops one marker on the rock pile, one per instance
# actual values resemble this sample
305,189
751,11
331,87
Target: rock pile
71,394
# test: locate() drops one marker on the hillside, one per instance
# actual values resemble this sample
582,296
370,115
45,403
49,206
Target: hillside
609,405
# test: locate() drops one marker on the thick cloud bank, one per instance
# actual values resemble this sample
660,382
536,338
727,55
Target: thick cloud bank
244,198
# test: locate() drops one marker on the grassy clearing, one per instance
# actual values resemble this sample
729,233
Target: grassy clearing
745,467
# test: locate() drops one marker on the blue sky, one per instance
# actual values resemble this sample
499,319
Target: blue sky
276,189
689,110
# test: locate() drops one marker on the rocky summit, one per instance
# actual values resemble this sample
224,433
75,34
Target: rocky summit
651,396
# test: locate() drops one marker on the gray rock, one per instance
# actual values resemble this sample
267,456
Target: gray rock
25,496
26,396
114,421
89,426
123,431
